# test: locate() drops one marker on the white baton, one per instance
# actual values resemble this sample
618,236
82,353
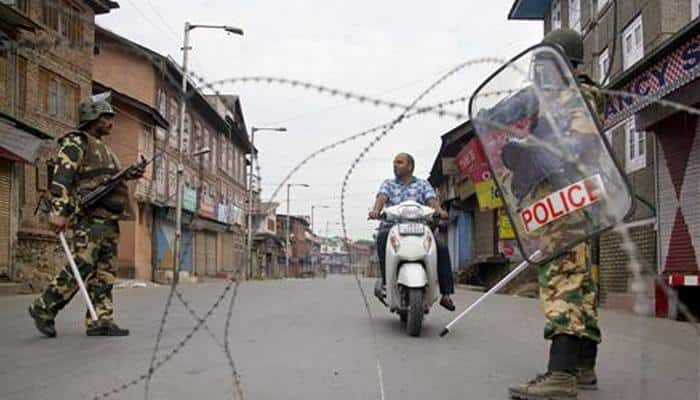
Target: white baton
520,268
78,278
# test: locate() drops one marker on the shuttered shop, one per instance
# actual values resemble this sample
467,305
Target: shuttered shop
5,206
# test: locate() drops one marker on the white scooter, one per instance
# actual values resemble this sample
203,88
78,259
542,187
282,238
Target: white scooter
411,264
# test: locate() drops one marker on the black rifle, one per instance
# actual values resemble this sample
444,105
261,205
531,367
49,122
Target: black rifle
90,199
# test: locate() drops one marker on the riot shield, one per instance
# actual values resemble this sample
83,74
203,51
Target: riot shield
542,139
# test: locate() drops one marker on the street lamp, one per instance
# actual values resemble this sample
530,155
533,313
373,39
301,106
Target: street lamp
180,168
312,215
313,256
253,157
286,258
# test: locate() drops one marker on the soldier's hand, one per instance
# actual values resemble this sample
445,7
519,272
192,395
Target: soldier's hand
136,172
58,223
374,214
442,214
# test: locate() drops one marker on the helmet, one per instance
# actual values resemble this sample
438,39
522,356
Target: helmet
569,41
93,107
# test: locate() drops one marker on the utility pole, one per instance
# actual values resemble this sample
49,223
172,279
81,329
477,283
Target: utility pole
253,159
286,258
180,147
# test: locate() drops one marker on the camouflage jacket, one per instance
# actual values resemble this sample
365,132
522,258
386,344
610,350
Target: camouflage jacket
578,125
82,164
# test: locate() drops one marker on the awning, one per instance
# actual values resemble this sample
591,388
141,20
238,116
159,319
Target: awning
529,9
208,225
18,141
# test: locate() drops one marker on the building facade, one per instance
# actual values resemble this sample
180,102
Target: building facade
45,69
213,222
648,48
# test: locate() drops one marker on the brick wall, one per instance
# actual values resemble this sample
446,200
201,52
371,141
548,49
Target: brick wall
614,273
37,255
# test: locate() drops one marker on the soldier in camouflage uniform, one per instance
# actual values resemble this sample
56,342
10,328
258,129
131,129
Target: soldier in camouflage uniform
84,161
567,289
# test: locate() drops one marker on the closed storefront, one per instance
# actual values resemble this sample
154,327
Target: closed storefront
165,241
5,212
205,253
227,251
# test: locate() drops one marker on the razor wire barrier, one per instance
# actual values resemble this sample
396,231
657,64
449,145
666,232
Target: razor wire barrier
407,111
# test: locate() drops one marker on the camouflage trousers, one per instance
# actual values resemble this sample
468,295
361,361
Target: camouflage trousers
94,248
568,296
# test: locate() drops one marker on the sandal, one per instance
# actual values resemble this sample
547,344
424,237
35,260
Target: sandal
446,302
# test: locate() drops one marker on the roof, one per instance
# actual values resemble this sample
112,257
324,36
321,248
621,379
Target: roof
297,218
173,72
229,106
452,143
529,9
27,128
102,6
151,112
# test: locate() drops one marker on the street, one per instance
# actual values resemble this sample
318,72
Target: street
310,339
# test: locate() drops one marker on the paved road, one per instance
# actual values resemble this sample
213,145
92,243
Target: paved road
310,339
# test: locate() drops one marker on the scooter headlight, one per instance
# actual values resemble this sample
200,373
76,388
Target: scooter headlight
410,212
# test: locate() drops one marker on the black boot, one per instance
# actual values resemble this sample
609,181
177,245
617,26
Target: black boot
585,367
44,325
106,328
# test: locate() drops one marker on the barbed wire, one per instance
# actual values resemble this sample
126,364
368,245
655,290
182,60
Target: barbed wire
408,112
346,239
310,86
180,345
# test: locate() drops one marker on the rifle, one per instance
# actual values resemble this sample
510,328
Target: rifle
96,195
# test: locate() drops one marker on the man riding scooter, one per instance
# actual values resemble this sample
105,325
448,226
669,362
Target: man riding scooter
395,191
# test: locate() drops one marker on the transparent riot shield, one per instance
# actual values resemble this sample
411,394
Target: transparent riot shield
542,139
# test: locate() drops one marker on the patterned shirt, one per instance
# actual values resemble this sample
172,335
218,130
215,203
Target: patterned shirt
396,192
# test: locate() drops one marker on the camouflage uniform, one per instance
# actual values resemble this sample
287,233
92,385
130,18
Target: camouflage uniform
82,164
567,289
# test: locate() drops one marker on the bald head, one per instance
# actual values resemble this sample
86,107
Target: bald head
404,165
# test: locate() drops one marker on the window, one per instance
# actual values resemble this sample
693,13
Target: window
172,181
23,6
694,8
21,85
64,18
241,167
173,119
198,140
59,96
162,101
556,14
635,147
147,142
230,151
186,135
205,143
632,43
214,152
603,65
575,15
234,163
160,175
